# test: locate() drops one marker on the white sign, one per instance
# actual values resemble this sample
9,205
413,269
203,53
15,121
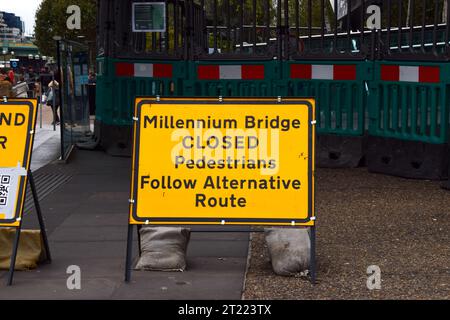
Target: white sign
9,188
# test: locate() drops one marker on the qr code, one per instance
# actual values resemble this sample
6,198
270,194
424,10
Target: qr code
5,181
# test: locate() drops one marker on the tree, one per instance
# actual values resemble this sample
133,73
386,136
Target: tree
51,20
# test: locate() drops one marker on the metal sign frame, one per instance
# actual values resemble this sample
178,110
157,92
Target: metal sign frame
134,219
213,221
16,222
25,161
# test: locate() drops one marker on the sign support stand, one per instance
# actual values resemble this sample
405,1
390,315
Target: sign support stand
312,260
14,255
40,218
293,118
139,238
129,253
19,228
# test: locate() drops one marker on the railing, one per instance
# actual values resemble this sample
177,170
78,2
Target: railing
279,29
389,85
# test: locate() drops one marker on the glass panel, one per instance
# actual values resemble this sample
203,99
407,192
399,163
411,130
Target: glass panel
75,119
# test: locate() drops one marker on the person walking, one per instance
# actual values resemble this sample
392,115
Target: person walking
30,78
53,100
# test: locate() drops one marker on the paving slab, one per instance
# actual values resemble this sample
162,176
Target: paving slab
38,288
87,220
91,233
89,250
214,278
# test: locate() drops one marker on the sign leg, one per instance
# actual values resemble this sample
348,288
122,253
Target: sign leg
313,254
14,256
129,253
139,239
39,215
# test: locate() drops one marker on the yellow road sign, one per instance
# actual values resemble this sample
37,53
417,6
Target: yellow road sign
17,123
234,161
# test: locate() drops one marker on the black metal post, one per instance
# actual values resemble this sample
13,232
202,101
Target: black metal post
400,23
15,248
61,113
129,253
310,26
312,262
138,229
447,28
54,102
335,40
411,25
39,216
387,49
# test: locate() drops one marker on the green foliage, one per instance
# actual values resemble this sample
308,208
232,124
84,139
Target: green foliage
51,20
413,12
319,17
233,7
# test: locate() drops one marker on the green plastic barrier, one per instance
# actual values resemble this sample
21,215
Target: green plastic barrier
339,87
231,78
410,101
120,81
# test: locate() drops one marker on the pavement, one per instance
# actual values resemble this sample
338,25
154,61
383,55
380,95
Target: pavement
86,219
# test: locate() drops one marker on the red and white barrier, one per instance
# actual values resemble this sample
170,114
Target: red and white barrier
144,70
420,74
323,72
230,72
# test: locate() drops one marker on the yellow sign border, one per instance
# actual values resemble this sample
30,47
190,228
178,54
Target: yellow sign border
20,200
309,222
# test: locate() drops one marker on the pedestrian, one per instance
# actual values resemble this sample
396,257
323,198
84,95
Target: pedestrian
31,82
37,92
5,84
53,100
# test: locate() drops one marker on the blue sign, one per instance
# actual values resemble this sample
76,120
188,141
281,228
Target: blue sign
14,64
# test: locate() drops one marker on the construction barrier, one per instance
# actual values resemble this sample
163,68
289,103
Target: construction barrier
409,119
232,78
392,114
340,89
119,82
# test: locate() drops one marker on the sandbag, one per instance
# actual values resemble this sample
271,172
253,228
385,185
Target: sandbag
163,248
31,250
289,250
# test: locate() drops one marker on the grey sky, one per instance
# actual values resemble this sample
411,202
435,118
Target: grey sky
26,9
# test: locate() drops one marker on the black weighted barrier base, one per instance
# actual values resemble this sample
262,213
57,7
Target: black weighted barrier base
408,159
115,140
337,151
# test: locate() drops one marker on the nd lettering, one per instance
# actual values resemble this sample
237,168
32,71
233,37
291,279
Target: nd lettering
12,119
